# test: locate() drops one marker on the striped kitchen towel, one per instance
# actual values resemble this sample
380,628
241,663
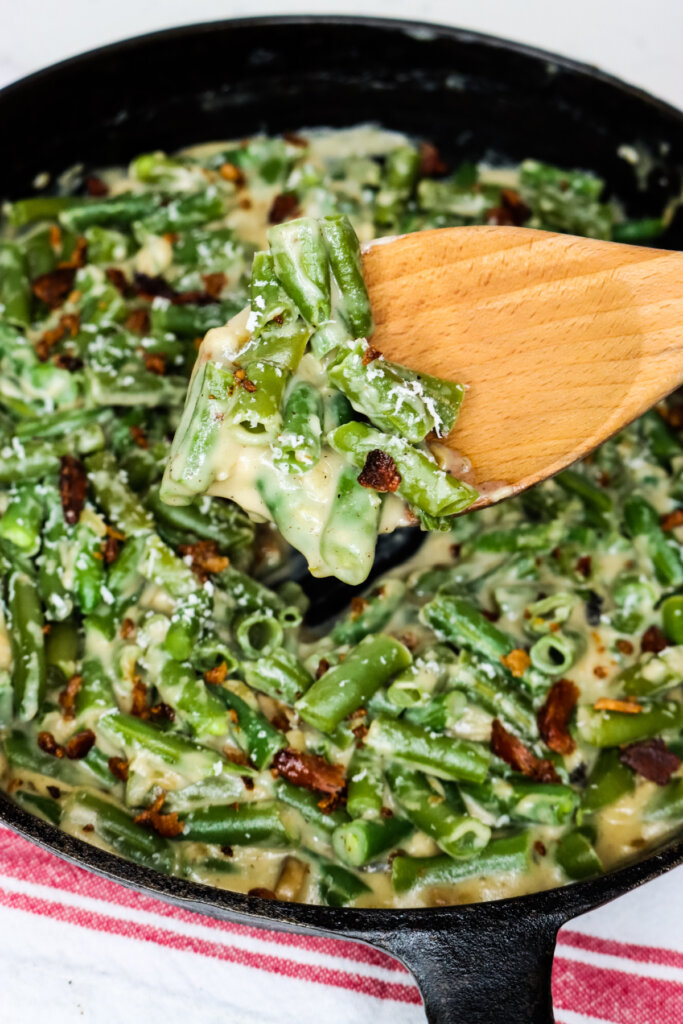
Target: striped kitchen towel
75,947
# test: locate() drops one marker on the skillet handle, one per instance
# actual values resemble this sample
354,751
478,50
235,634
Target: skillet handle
481,968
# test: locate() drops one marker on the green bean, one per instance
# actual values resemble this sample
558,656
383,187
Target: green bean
614,728
118,830
28,649
360,842
553,654
26,211
89,571
457,834
258,633
667,803
62,646
299,444
576,856
441,756
490,687
672,617
308,806
114,496
338,886
507,855
348,686
44,805
440,713
638,230
377,608
30,460
576,484
112,211
301,266
462,624
189,758
663,442
261,739
268,300
607,782
15,290
190,321
59,423
642,521
349,537
254,824
185,211
39,254
255,417
279,675
545,803
422,484
343,252
22,520
365,792
197,705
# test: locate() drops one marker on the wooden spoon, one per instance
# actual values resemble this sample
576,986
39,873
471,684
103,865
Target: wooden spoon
561,340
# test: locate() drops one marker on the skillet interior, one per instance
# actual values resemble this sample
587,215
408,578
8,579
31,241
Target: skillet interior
474,97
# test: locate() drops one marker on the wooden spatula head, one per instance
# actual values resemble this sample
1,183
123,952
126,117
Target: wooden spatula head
561,341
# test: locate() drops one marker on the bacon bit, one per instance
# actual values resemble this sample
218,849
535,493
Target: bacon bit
138,698
214,284
80,744
68,322
53,288
491,616
205,558
110,550
55,233
673,416
386,812
243,381
583,566
166,825
626,707
138,321
295,140
248,782
370,355
283,207
245,203
600,672
236,756
48,744
88,828
161,713
540,849
215,676
671,520
73,485
380,473
431,163
230,172
455,550
67,698
118,766
310,771
624,646
232,715
171,237
139,436
358,606
517,662
149,287
78,256
128,629
280,721
651,759
227,851
95,186
518,756
155,362
262,893
329,803
68,361
516,207
360,732
553,717
653,640
323,666
118,279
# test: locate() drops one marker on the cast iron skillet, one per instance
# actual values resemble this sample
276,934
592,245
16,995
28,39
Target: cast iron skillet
473,96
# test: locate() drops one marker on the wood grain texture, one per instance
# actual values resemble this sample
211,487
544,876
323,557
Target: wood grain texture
561,340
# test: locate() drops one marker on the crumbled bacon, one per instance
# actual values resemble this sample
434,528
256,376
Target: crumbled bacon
127,630
48,744
370,355
78,256
236,756
55,236
230,172
624,707
431,163
80,744
216,675
671,520
310,771
205,558
653,640
322,668
73,485
516,662
139,437
155,362
138,697
380,473
283,207
243,381
149,287
95,186
52,288
540,848
214,284
137,321
54,791
651,759
624,646
583,566
295,140
511,749
553,717
118,766
358,606
166,825
118,279
67,698
68,323
160,712
110,550
68,361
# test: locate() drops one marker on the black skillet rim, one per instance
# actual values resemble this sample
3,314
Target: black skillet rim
563,902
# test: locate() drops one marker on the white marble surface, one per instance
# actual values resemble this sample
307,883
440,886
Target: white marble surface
639,41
